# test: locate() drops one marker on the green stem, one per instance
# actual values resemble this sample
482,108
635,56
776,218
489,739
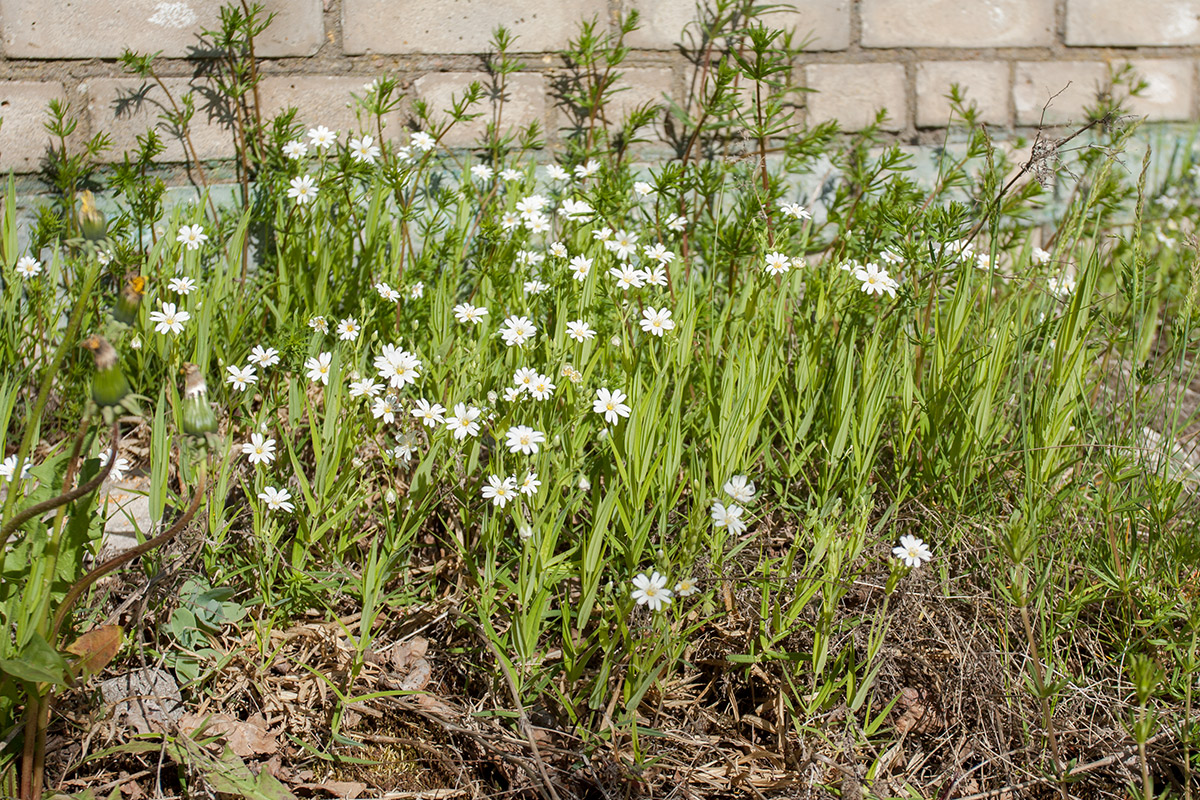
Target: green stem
52,370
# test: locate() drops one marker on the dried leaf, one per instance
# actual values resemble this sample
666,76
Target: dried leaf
245,739
96,648
418,676
407,653
346,789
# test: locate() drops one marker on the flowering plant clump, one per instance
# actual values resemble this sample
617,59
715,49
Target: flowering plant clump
653,423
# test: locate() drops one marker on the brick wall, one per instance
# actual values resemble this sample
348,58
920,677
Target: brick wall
1010,55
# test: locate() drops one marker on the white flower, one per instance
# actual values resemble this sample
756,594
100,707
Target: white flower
386,407
240,377
463,421
365,387
429,414
277,499
517,330
556,173
406,446
8,468
364,150
1040,256
525,532
482,172
798,262
303,189
777,263
611,405
348,329
416,291
575,209
602,234
740,489
192,236
169,319
1063,286
875,279
530,206
387,292
642,189
523,439
524,377
686,587
656,321
558,250
136,342
319,323
541,388
318,368
500,491
538,223
658,252
728,517
580,267
657,276
529,484
260,449
105,257
119,467
264,357
28,267
651,590
912,551
580,331
322,137
794,210
628,277
623,244
423,141
511,175
587,170
296,149
676,223
182,286
399,366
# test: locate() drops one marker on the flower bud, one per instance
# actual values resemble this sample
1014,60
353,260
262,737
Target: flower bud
91,221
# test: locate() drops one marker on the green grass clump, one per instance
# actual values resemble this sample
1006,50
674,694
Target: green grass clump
699,449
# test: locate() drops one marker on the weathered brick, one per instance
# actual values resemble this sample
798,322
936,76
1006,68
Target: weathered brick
322,100
461,26
524,102
105,28
1076,84
128,107
852,93
983,82
1120,22
663,21
1170,85
23,136
957,23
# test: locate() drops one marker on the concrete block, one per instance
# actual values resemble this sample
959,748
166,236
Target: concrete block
462,26
1170,85
983,82
525,101
23,136
825,22
957,23
322,100
1125,24
852,93
127,107
1076,84
105,28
